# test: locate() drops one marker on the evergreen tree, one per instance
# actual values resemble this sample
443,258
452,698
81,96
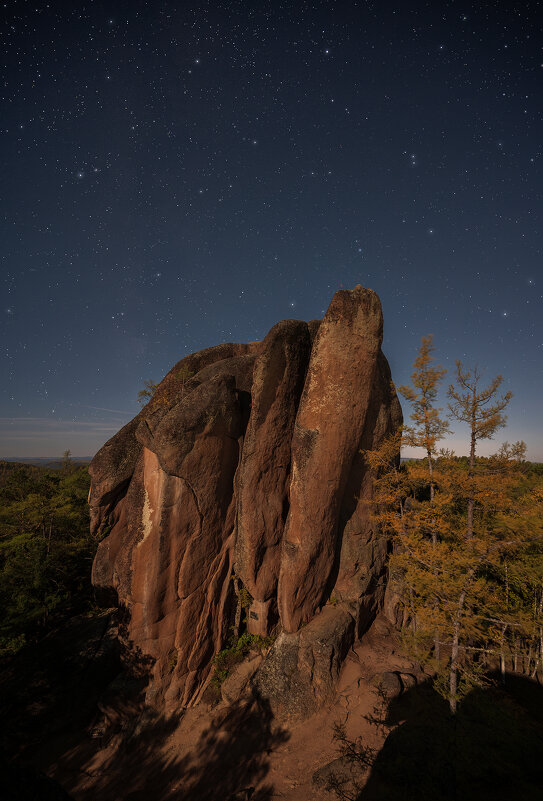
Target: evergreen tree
45,550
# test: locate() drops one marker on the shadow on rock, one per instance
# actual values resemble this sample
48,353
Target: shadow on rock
75,710
491,750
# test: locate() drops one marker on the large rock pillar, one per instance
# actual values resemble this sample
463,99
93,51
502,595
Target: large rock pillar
327,433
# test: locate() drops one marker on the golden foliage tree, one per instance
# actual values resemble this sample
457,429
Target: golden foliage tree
428,426
467,560
481,410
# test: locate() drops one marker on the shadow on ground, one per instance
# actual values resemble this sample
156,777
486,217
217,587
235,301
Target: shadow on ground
74,708
230,757
49,693
232,754
491,750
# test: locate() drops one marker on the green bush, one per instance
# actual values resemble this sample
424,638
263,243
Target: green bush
234,653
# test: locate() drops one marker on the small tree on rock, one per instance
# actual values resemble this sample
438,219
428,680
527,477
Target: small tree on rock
146,394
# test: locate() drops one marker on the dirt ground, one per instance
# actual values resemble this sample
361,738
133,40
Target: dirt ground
71,713
234,751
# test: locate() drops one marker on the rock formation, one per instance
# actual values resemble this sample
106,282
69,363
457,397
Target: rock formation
243,478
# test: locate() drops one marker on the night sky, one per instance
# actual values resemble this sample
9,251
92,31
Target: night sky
176,175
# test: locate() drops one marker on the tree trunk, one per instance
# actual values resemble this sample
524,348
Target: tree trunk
431,474
539,660
471,500
528,660
454,669
437,651
502,655
453,674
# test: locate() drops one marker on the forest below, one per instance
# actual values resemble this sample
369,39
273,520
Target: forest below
46,550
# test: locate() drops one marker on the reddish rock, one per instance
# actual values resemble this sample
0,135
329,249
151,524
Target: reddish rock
300,673
237,682
168,554
335,404
264,471
208,413
111,471
361,570
245,465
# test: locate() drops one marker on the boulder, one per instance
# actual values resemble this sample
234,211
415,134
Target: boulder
235,684
388,683
301,670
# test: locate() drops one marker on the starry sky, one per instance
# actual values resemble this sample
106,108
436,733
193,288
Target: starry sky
175,175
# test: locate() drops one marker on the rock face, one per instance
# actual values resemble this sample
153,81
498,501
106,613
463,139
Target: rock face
241,483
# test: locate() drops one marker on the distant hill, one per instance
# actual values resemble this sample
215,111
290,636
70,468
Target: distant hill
45,461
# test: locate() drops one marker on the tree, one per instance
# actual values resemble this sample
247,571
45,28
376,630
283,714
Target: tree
470,594
460,555
45,550
67,462
429,428
146,394
482,411
184,375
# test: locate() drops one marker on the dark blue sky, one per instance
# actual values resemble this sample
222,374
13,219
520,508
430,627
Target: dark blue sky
174,177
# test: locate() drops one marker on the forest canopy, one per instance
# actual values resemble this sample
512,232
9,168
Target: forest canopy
46,550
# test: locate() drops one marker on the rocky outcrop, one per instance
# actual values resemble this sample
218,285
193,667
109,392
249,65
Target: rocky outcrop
241,484
264,471
338,393
302,668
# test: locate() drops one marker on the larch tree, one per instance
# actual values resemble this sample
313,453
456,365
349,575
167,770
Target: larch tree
482,411
428,426
146,394
467,562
